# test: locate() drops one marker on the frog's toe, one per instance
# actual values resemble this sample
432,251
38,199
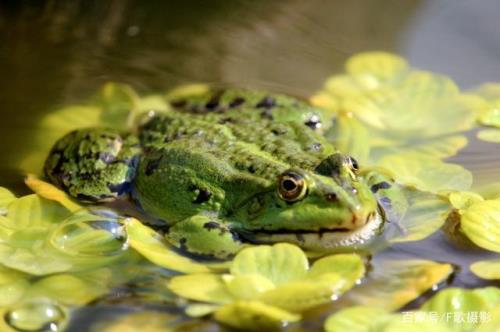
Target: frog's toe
93,165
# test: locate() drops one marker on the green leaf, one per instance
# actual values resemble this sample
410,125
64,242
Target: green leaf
489,135
27,250
464,199
381,65
302,295
426,213
491,321
356,319
463,301
427,173
350,136
50,192
202,287
393,283
280,263
13,285
247,286
150,244
6,197
253,315
34,211
486,269
347,266
481,224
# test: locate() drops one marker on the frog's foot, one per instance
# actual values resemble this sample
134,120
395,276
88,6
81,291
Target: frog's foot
205,236
93,165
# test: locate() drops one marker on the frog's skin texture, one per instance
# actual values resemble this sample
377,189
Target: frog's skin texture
226,168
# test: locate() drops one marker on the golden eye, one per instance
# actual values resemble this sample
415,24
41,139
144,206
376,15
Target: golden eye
291,186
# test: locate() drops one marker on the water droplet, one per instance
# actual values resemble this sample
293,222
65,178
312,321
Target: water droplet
98,233
36,316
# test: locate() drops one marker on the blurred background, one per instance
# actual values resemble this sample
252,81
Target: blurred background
58,52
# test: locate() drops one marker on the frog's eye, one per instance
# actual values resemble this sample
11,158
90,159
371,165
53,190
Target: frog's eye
291,186
352,163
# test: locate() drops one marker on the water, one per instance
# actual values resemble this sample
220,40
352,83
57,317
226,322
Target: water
53,53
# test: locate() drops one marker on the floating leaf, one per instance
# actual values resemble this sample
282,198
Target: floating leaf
252,315
35,316
481,224
302,295
367,319
350,136
383,66
13,285
280,263
348,266
247,286
34,211
49,191
486,269
426,213
463,199
392,284
187,90
463,301
489,135
149,244
202,287
427,173
6,197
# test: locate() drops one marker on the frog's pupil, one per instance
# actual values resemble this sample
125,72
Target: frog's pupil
289,185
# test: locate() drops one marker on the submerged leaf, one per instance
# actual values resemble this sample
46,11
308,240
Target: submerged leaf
486,269
392,284
252,315
280,263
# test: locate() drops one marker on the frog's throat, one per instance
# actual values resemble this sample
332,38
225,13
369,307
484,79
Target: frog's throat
326,239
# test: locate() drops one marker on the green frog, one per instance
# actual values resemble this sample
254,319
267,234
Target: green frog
227,168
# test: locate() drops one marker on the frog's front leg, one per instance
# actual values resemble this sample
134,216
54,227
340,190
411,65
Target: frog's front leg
93,165
206,236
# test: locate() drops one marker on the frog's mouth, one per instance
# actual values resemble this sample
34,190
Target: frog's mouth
323,239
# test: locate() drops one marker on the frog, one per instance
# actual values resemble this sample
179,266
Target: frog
229,168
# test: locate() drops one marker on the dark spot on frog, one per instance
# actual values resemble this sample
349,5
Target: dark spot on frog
266,102
381,185
213,103
267,114
211,225
236,102
314,122
385,201
178,103
331,197
203,196
152,165
225,120
251,169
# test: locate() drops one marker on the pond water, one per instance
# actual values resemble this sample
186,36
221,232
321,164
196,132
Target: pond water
56,53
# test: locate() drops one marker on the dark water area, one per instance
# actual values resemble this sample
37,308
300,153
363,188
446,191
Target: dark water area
54,53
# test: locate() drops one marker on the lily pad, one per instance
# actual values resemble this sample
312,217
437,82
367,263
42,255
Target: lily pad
426,213
280,263
49,191
150,244
455,304
367,319
486,269
13,285
6,197
253,315
481,224
383,66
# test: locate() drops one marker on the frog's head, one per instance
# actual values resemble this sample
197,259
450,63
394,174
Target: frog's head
328,208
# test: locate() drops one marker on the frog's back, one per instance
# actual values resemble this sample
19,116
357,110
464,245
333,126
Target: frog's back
254,132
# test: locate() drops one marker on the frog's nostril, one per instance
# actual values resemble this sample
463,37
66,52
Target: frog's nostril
332,197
